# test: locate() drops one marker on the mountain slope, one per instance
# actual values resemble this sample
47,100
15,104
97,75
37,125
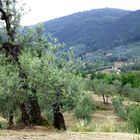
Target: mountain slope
91,30
127,29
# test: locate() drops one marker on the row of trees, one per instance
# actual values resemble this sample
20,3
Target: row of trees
124,90
124,85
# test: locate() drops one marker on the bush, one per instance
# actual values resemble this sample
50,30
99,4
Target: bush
83,112
85,108
119,108
134,119
3,124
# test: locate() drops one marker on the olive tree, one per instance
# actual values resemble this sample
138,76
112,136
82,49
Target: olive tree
36,73
11,13
135,95
103,89
55,86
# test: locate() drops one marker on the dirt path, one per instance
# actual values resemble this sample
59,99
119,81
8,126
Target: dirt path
44,135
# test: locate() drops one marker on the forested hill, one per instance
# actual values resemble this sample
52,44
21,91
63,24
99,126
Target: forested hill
96,29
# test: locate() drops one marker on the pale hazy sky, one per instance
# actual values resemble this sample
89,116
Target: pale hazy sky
44,10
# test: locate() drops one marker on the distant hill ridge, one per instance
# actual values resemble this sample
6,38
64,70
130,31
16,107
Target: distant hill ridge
96,29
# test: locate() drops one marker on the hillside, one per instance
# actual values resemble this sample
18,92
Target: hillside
96,33
96,29
126,29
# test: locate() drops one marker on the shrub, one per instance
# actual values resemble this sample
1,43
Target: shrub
85,108
134,119
88,101
3,124
119,108
83,112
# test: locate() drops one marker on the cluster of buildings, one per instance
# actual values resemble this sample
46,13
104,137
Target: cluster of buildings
116,67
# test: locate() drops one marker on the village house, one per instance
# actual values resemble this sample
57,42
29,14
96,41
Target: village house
118,65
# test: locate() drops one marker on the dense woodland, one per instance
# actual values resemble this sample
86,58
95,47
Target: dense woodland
97,29
39,82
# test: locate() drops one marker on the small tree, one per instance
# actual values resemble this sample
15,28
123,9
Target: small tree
119,108
118,87
84,109
104,90
126,90
135,95
134,119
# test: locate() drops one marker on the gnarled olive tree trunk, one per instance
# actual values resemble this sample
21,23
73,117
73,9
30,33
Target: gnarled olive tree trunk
58,120
25,119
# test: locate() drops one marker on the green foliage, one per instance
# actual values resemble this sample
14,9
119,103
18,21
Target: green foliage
90,85
93,75
49,80
53,77
117,87
132,67
38,60
94,30
132,78
91,30
3,124
135,95
127,90
103,89
85,108
95,37
119,108
10,92
134,118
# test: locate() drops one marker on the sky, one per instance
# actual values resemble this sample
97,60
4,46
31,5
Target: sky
44,10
